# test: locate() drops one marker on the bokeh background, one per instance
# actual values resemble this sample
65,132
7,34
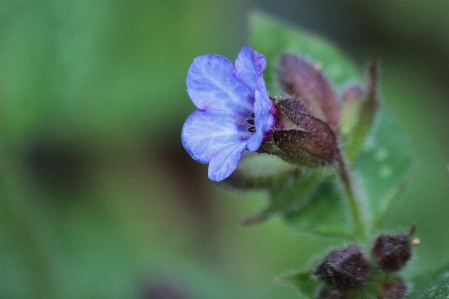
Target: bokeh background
98,199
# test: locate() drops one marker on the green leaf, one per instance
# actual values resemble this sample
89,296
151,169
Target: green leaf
261,171
358,114
421,283
383,167
303,281
438,289
326,214
271,37
290,196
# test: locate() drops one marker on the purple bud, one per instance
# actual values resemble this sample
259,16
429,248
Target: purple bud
304,138
304,80
344,269
395,289
392,252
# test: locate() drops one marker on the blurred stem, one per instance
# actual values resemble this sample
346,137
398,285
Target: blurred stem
355,204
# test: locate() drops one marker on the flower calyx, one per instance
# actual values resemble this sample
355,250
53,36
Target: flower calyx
392,252
309,116
344,269
303,137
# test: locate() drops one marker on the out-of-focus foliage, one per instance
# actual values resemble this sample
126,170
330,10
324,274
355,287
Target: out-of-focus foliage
97,197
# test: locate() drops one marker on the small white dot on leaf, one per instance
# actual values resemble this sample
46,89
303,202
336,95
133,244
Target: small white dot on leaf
370,143
385,171
381,154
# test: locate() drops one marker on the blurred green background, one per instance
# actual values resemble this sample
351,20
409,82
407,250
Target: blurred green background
98,199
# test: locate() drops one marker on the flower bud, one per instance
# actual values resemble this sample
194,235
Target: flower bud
344,269
304,138
392,252
304,80
395,289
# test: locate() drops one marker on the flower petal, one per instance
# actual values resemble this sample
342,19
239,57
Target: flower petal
249,65
206,134
225,162
263,110
213,86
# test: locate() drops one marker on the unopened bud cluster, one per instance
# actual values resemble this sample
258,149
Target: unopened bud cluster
344,269
348,273
392,252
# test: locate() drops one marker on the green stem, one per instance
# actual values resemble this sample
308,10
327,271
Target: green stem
355,205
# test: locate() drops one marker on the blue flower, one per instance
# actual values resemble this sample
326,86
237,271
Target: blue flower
234,111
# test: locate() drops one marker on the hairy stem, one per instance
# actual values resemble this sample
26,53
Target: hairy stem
355,204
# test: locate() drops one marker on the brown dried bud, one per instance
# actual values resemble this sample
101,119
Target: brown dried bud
344,269
305,81
392,252
394,289
304,138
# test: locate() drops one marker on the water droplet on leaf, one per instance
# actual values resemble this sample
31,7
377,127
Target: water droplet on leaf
385,171
381,154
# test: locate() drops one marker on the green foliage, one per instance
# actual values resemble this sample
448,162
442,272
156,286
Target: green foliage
326,214
303,281
430,282
438,289
359,113
271,37
290,195
316,201
107,77
383,167
111,70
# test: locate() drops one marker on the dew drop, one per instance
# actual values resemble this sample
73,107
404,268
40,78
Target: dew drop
370,143
381,154
385,171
